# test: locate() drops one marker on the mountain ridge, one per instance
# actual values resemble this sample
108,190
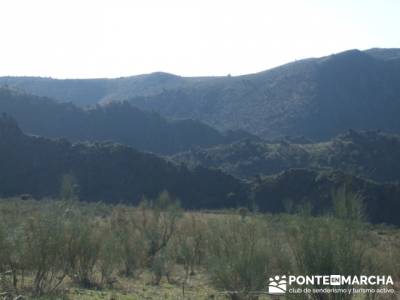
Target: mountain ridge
317,97
118,122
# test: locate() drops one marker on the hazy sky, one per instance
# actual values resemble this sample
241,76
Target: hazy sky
112,38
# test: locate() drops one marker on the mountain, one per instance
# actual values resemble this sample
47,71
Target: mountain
114,173
295,188
385,54
118,122
93,91
318,97
104,172
370,154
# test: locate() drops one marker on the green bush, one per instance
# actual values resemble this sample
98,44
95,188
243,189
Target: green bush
83,246
129,240
157,224
239,256
335,244
45,237
190,243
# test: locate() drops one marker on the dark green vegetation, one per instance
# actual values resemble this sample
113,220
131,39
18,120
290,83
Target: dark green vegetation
317,98
104,172
118,122
71,250
366,162
370,154
298,187
115,173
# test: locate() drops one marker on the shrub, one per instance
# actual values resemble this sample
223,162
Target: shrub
157,223
83,246
238,256
129,240
109,255
334,244
190,243
45,238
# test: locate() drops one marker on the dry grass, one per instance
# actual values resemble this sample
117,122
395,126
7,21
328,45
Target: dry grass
383,257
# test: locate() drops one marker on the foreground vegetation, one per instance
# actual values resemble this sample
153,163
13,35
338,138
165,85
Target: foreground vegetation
71,250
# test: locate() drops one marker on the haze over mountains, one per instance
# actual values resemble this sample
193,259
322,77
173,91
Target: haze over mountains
353,89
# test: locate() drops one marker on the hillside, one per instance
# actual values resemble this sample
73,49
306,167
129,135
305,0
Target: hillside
93,91
295,188
118,122
318,98
104,172
115,173
370,154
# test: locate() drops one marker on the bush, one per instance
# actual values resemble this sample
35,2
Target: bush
157,224
109,255
190,243
45,237
129,240
83,246
239,256
334,244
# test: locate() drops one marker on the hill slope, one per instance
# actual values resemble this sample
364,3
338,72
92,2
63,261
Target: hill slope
104,172
318,98
116,173
369,154
294,188
118,122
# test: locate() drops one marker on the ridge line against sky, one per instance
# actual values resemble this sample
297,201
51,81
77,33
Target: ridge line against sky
120,38
186,76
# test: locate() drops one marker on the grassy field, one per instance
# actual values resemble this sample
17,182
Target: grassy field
71,250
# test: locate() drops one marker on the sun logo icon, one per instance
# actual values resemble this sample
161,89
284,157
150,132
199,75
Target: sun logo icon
277,285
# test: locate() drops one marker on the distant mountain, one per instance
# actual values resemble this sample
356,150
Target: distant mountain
318,98
93,91
385,54
295,188
114,173
118,122
104,172
369,154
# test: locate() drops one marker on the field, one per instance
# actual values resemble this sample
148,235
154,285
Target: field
72,250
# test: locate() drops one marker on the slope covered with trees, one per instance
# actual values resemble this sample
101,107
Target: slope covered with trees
113,173
118,122
104,172
299,188
371,154
318,98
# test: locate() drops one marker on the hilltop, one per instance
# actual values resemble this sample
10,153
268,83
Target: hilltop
317,97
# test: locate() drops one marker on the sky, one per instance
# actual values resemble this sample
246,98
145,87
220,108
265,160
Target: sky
114,38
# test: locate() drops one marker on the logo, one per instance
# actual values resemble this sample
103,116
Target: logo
277,285
347,284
